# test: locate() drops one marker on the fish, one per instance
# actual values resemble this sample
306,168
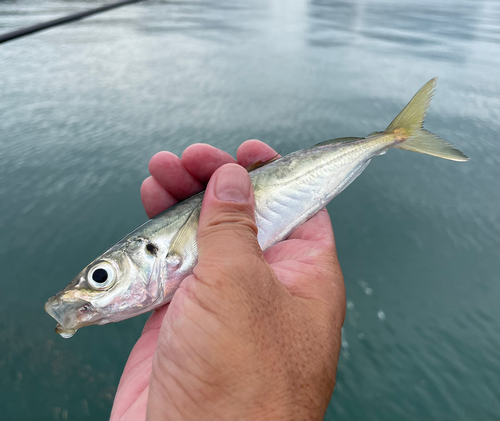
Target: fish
142,271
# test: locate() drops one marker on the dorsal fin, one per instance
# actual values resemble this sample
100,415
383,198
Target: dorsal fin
261,163
339,140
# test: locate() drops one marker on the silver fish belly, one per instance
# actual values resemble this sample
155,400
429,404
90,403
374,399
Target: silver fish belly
143,270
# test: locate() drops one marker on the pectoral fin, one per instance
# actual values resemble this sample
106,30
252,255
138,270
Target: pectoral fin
184,242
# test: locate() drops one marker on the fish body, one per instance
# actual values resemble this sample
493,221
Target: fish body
143,270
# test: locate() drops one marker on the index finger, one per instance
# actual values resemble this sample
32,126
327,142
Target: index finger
191,173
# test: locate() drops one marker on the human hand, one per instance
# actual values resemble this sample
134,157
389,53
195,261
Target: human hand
242,338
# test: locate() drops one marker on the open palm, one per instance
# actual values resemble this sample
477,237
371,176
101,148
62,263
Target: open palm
306,255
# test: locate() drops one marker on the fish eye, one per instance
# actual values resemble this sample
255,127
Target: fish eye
101,276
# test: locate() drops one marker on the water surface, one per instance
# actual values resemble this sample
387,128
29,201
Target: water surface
84,106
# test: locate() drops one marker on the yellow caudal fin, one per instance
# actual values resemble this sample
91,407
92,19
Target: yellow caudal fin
408,126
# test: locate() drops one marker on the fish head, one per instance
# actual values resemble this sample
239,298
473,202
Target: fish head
123,282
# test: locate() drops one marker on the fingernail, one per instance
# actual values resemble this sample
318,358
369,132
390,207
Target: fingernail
232,184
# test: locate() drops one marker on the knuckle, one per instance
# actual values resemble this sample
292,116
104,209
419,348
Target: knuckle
237,213
229,227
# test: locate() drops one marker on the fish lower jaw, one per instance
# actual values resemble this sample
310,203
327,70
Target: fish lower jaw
64,332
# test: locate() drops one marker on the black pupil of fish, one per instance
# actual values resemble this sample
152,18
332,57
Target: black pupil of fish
100,276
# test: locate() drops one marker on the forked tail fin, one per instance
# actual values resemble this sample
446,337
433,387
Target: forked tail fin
408,128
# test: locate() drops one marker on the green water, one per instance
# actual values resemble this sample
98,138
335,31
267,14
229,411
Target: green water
84,106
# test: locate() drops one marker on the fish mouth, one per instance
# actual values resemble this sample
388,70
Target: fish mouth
66,314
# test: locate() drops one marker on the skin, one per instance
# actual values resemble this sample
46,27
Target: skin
249,335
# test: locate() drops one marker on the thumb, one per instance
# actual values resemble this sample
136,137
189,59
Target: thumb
227,233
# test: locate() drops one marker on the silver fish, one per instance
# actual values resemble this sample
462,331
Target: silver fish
143,270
